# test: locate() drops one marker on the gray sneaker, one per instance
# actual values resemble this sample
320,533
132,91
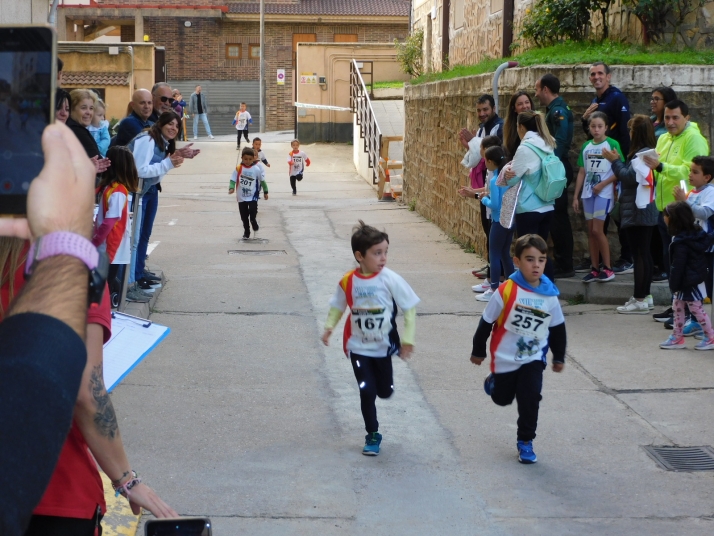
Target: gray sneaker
136,295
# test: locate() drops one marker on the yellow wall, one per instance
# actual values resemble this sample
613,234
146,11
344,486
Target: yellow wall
91,57
333,62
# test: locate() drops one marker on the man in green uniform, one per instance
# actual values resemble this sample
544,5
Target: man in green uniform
559,119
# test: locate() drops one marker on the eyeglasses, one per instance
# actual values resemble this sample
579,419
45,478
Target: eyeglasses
170,100
656,99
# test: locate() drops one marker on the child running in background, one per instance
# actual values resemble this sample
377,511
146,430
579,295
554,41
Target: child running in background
688,270
596,182
257,144
241,122
297,160
250,179
526,320
499,247
111,230
701,199
372,292
99,127
264,185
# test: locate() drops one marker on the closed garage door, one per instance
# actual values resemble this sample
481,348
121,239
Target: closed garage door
224,98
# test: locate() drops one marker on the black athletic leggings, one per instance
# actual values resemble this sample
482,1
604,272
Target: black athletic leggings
640,237
536,223
524,384
374,378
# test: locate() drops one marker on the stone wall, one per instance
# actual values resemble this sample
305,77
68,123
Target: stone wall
435,112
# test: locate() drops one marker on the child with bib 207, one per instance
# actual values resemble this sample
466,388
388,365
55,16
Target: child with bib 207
596,181
372,292
523,319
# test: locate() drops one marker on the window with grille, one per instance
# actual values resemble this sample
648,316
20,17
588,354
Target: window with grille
233,51
254,52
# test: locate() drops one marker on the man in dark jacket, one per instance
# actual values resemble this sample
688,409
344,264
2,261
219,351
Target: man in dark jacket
137,120
489,122
613,103
559,119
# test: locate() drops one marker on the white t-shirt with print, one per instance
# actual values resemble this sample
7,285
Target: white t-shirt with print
242,119
371,329
597,167
298,165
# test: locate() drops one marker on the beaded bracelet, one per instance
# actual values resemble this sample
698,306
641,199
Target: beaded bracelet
128,485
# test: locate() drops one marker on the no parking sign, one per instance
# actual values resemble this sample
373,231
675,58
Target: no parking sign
281,77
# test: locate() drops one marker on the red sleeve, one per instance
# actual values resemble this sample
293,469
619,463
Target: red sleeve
101,233
102,314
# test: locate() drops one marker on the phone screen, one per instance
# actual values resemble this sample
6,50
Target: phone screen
27,81
178,527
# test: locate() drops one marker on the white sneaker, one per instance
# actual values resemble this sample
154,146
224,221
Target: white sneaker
634,307
211,136
486,296
650,301
482,287
195,137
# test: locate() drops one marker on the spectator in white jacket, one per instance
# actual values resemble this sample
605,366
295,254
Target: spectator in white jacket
155,155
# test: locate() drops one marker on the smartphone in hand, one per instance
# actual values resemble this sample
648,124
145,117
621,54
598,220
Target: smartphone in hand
28,74
180,526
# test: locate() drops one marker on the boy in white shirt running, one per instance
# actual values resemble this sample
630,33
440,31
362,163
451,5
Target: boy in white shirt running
372,293
297,160
249,179
526,320
241,121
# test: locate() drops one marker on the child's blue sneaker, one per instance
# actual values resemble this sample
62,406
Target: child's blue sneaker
371,444
691,328
673,343
488,384
525,452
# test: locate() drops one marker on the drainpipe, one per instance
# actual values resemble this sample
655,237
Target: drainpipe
52,17
497,74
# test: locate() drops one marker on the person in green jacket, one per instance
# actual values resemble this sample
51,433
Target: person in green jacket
676,149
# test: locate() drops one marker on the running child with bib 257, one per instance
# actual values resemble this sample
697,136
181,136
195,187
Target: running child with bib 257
372,292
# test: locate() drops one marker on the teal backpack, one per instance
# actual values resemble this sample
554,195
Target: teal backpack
552,178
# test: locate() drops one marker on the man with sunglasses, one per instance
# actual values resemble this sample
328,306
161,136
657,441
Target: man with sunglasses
198,108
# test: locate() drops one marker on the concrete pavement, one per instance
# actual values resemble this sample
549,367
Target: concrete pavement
242,415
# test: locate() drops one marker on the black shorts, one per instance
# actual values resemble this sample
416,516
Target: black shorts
298,177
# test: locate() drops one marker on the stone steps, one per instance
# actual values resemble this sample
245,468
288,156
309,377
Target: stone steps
615,292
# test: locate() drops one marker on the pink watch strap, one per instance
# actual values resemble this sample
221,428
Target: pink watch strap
62,243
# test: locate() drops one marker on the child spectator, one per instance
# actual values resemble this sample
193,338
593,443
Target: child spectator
526,320
241,122
251,179
257,144
297,160
688,270
372,293
99,127
478,182
701,199
596,182
500,239
111,232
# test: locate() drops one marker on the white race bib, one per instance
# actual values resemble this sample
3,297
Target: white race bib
528,322
372,324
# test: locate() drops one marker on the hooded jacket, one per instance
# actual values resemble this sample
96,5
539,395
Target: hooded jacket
527,166
614,104
688,266
630,215
676,154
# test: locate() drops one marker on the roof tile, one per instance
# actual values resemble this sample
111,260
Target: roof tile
86,78
393,8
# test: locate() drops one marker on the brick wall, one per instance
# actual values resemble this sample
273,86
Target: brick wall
198,53
435,112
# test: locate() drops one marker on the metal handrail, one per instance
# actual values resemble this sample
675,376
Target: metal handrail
369,128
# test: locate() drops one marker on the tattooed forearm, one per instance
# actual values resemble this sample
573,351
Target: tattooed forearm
104,419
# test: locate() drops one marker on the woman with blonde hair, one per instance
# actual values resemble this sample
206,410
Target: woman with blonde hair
533,215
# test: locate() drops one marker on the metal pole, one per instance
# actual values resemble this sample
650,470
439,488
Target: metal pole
262,65
52,16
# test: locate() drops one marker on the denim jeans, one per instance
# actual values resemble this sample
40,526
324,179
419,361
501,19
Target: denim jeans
150,203
204,118
135,233
500,253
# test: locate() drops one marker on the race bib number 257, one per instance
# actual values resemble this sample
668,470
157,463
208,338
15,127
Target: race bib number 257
528,322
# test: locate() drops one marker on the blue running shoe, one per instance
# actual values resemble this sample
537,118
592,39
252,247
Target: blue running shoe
371,444
691,328
525,452
488,384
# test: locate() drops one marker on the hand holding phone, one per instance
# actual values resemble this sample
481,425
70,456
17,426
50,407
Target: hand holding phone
182,526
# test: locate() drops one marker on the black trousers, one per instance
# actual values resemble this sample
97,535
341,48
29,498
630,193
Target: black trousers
294,179
560,229
666,240
525,385
243,133
64,526
640,238
486,226
625,250
374,378
536,223
248,211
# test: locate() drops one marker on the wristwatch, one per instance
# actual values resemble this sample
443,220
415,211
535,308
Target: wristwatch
74,245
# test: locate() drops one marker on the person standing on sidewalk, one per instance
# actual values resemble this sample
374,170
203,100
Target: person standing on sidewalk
614,104
198,108
559,120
